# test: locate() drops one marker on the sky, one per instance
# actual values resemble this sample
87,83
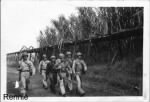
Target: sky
23,20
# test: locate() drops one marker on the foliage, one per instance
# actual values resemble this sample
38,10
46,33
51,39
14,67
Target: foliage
90,22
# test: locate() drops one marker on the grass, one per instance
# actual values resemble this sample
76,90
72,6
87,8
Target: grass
121,79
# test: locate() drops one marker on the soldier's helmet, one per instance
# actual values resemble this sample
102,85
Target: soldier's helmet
44,55
79,54
53,57
68,53
25,54
61,55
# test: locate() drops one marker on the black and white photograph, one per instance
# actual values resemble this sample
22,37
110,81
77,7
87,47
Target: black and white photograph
74,49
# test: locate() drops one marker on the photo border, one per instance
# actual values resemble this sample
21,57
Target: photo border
85,3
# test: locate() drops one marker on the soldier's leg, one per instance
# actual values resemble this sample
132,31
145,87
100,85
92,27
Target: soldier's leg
51,82
27,83
23,88
54,81
44,79
19,75
79,88
69,83
55,78
61,85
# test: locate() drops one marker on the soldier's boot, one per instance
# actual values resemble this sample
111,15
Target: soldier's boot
23,92
62,88
79,88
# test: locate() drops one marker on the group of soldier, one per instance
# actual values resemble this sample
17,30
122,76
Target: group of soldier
61,74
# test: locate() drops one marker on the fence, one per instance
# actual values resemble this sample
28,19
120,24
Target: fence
103,49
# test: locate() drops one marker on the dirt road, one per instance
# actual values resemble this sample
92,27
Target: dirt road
35,87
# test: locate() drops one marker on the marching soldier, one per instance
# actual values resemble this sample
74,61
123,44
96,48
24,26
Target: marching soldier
51,73
61,68
69,62
42,70
79,68
26,69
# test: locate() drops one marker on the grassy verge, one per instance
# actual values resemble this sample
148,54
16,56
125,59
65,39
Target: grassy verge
124,78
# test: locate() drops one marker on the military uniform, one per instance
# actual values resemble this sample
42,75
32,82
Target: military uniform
69,62
51,74
26,67
42,69
61,68
79,67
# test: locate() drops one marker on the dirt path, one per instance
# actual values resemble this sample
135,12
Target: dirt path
35,86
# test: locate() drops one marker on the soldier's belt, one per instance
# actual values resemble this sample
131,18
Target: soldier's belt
78,72
63,71
25,71
43,69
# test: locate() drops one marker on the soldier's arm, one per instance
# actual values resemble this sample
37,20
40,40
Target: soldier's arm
19,66
73,67
40,66
48,68
33,68
85,66
57,65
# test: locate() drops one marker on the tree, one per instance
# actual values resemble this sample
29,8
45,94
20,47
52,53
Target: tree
91,22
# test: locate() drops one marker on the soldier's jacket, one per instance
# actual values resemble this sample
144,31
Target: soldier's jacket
26,66
58,61
61,66
69,63
51,68
79,66
43,64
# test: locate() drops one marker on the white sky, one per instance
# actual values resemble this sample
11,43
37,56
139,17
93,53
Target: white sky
23,20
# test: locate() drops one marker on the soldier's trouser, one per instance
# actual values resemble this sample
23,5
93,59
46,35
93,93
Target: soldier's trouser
53,81
79,88
69,82
44,78
24,81
61,83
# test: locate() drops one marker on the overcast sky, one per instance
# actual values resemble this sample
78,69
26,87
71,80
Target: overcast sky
23,20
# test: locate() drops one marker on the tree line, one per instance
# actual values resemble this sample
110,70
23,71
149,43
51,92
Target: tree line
90,22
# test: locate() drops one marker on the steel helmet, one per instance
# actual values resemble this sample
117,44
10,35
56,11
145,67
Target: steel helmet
61,55
44,55
79,54
24,54
53,57
68,53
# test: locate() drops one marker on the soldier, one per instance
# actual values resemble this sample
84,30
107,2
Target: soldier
27,69
69,62
42,70
61,68
51,73
79,68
